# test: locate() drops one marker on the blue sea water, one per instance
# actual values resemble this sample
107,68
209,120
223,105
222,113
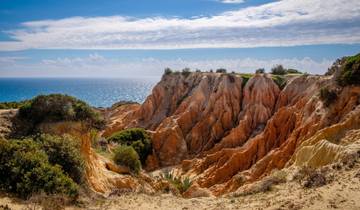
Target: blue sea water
101,92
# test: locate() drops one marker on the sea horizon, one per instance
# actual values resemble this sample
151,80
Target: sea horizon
97,92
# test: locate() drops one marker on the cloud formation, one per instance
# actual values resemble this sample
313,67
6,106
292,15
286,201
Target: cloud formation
280,23
96,65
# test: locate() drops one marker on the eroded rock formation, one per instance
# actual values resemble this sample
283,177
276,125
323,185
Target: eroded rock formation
224,133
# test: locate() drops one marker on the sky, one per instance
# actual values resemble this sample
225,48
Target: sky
139,38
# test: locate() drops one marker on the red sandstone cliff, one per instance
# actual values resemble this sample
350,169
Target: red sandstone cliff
224,134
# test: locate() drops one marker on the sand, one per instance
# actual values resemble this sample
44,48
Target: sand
341,193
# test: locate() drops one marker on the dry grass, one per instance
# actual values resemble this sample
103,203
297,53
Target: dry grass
266,184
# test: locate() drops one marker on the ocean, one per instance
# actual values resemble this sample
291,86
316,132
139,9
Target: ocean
96,92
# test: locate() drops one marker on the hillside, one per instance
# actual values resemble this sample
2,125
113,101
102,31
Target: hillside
224,134
217,140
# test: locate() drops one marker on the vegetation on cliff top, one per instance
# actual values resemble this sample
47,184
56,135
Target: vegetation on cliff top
350,71
55,108
280,70
13,104
278,74
279,80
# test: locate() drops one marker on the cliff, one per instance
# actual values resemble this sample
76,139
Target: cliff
224,132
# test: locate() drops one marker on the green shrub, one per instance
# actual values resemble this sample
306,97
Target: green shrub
168,71
186,72
64,151
135,137
13,104
350,71
25,169
260,71
221,70
278,70
280,81
57,107
245,78
127,156
293,71
180,184
327,96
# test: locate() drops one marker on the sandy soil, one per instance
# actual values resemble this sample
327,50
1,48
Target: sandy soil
341,193
5,120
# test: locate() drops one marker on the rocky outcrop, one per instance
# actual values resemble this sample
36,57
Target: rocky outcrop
224,133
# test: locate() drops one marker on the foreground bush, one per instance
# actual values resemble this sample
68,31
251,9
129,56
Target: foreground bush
25,169
57,107
127,156
136,138
350,71
65,152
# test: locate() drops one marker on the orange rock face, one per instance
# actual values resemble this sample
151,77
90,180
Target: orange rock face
224,134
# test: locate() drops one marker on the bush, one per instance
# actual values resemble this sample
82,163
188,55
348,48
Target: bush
168,71
293,71
13,104
135,137
280,81
260,71
278,70
186,72
127,156
57,107
245,79
180,184
327,96
311,178
25,169
65,152
221,70
350,71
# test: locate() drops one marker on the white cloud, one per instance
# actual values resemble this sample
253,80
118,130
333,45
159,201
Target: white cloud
280,23
10,60
232,1
96,65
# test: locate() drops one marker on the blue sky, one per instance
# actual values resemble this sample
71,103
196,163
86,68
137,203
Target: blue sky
135,38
